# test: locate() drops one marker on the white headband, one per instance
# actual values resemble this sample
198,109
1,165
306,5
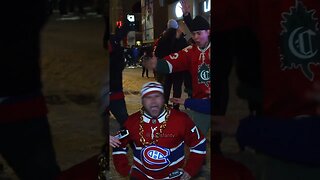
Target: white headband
151,87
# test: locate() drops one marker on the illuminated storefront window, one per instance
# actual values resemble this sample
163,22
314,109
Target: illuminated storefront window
147,20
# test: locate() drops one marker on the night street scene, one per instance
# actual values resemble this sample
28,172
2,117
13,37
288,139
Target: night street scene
121,89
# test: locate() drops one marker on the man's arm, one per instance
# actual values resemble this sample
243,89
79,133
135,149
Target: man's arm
175,62
199,105
196,142
185,6
120,159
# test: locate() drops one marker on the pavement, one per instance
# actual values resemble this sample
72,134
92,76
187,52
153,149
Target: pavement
132,83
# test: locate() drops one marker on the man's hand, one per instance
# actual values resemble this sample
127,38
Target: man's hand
225,125
185,176
185,7
114,142
177,101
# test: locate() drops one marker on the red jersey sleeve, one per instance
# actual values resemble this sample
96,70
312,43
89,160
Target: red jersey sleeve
179,61
196,142
120,159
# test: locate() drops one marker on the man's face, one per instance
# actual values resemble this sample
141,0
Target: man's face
201,37
153,103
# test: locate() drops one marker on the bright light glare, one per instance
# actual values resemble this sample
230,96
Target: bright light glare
178,10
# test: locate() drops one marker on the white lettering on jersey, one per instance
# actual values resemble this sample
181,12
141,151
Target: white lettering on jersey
174,56
186,49
196,129
152,132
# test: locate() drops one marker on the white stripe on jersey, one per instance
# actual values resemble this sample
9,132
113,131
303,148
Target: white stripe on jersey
119,152
198,152
173,149
170,66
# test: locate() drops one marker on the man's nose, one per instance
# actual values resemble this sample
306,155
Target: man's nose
153,99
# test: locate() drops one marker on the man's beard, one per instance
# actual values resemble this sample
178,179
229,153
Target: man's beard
155,116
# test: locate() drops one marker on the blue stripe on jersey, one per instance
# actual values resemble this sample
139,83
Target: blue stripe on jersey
201,147
137,152
177,153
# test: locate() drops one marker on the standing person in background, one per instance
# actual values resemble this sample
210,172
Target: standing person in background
143,60
25,137
195,59
135,55
127,52
159,76
171,41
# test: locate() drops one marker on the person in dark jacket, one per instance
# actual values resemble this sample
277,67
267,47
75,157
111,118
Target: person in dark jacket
117,104
143,60
172,41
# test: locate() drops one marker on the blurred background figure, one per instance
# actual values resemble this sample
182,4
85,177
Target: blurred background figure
25,136
143,60
171,41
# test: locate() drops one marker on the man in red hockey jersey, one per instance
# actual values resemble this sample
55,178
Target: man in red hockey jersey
159,135
195,59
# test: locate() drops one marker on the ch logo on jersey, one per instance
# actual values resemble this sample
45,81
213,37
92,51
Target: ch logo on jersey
155,158
204,74
300,40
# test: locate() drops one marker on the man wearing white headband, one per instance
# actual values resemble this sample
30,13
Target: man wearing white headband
159,135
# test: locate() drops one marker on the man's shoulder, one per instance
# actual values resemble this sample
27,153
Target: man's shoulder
181,114
134,115
191,47
133,118
180,118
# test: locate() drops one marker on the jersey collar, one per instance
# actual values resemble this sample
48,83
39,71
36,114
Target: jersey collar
160,118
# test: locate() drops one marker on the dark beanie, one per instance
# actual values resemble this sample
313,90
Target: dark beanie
199,23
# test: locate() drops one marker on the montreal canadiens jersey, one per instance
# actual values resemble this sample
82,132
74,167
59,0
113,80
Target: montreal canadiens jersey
197,62
158,160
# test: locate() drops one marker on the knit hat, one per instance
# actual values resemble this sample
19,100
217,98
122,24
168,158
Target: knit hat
151,87
199,23
172,24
